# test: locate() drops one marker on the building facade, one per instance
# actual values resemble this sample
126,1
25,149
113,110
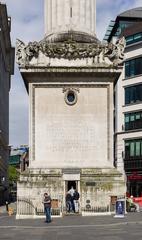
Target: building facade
6,70
128,95
19,157
70,78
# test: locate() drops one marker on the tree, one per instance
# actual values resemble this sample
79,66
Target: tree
13,174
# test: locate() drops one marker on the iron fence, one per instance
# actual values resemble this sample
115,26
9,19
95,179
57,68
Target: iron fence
94,203
89,204
35,207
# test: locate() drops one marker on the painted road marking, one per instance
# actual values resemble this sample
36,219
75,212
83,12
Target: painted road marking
69,226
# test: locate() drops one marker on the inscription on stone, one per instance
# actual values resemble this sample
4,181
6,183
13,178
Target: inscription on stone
67,136
73,136
90,184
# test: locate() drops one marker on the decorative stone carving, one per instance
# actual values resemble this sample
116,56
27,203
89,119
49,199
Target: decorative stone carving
25,53
20,52
70,95
116,52
70,50
65,89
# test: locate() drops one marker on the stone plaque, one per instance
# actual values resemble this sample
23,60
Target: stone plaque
71,136
90,184
71,177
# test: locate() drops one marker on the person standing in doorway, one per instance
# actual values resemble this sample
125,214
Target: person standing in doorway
68,202
76,201
47,207
72,191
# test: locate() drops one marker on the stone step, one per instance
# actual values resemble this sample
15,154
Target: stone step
72,214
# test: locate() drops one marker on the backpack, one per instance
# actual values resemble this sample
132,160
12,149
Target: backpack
76,195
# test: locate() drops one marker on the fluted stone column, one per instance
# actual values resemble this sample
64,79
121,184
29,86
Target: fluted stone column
66,15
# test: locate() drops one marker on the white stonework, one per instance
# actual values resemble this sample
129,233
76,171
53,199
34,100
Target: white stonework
70,142
70,86
72,135
68,15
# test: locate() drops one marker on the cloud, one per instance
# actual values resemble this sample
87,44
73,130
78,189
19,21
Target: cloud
27,19
28,25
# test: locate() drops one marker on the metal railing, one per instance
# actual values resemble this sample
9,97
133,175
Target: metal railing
97,209
25,206
35,207
93,203
89,204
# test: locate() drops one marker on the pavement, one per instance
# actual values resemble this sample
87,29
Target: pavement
11,205
72,228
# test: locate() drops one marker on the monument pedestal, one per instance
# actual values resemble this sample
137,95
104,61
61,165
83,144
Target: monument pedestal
71,92
96,187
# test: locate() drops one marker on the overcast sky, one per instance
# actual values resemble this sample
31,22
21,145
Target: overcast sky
28,25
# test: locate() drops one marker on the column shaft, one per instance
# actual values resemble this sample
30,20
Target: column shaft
66,15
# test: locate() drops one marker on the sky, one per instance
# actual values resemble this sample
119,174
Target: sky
28,25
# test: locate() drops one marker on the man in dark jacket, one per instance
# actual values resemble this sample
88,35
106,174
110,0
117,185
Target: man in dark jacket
76,195
76,201
68,202
47,206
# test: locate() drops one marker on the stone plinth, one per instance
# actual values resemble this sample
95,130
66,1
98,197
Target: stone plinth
70,87
96,188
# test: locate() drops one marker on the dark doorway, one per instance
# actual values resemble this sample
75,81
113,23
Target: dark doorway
71,184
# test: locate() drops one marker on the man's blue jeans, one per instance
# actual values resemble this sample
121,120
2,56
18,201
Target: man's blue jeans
48,214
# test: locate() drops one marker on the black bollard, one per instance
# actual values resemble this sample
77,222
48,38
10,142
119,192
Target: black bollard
6,204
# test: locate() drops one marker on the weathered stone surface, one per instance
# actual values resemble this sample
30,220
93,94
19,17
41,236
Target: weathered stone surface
66,15
95,189
70,86
110,54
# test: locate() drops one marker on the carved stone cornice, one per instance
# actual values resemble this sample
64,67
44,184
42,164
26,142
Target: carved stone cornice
110,54
66,89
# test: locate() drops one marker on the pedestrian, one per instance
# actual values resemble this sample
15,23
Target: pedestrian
72,191
137,207
47,207
68,202
76,201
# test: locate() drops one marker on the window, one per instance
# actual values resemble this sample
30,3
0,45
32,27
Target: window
133,67
70,97
133,38
129,40
133,94
133,149
138,151
133,121
123,25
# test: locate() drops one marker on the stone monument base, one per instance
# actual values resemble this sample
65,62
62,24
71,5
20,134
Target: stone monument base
98,189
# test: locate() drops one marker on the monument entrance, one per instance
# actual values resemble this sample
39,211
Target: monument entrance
71,184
